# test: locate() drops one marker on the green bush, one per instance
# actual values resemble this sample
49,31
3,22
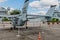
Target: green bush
55,20
5,19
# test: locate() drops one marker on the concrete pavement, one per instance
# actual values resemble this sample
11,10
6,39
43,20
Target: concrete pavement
51,32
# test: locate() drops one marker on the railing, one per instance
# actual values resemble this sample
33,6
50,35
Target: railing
5,25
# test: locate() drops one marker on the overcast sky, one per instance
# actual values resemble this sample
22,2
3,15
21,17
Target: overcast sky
35,6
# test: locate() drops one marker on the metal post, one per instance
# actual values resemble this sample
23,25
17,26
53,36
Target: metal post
42,29
26,21
18,35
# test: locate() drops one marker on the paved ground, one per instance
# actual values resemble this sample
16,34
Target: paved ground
51,32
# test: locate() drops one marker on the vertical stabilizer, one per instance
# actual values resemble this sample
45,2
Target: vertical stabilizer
23,16
51,10
24,9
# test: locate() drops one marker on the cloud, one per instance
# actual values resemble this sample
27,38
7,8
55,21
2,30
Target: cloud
38,13
42,5
12,9
49,2
35,4
42,12
2,1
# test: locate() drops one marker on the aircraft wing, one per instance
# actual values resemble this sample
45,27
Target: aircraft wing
36,16
28,16
8,16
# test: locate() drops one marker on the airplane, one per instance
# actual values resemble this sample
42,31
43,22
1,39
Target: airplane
21,19
24,17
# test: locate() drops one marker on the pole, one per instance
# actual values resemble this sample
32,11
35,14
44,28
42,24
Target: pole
18,35
26,21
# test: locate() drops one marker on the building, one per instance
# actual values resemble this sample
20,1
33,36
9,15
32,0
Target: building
3,11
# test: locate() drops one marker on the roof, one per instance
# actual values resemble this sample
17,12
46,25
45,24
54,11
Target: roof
2,9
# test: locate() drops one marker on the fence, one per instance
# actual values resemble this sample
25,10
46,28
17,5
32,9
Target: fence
33,23
29,24
5,25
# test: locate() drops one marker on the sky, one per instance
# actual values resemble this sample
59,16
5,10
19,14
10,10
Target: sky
35,6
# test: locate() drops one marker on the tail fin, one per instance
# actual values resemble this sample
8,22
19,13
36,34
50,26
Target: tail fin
51,10
24,9
23,16
25,6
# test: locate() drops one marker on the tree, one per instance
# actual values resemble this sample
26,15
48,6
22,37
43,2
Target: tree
15,12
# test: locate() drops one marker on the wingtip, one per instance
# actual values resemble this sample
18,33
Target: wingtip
26,0
53,5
